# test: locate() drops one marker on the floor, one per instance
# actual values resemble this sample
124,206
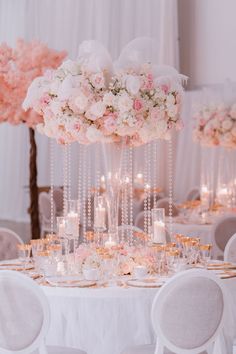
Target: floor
21,228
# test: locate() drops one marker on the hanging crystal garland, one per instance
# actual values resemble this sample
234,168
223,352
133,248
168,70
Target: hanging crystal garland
99,182
80,164
170,179
69,171
155,172
146,189
124,195
149,188
84,192
52,211
65,178
89,186
131,221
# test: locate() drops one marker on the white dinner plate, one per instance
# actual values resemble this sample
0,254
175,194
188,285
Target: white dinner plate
145,283
70,282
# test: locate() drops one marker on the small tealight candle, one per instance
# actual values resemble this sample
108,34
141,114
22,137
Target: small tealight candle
72,225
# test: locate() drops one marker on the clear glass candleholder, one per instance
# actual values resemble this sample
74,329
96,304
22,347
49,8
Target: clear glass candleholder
99,213
158,226
61,226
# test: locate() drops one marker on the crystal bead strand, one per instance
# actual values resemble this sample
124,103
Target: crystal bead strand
170,172
149,188
145,189
52,183
89,186
124,199
98,169
84,191
131,221
155,173
80,165
69,170
65,181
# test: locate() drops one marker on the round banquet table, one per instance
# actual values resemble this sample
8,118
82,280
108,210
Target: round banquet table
106,320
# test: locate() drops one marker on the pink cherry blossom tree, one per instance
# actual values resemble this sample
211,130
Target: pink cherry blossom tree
19,66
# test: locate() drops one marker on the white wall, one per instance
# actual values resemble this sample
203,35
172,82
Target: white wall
207,31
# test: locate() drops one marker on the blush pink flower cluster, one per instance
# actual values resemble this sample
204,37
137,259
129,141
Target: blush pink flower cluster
216,125
18,68
78,104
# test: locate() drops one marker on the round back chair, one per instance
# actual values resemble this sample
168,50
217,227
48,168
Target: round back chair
193,194
139,222
164,203
58,199
188,312
8,244
230,250
24,314
222,231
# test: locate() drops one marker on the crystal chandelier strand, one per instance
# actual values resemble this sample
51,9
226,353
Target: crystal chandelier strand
145,189
155,173
89,186
131,221
149,188
69,171
65,178
84,193
170,173
52,185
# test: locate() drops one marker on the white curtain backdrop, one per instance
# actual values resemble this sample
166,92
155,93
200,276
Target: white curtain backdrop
64,24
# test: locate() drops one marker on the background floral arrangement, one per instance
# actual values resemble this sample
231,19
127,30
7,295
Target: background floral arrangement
216,125
18,68
89,104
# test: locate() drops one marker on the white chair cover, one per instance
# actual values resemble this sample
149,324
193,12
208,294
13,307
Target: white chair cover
188,314
24,317
193,194
8,244
164,203
222,231
230,250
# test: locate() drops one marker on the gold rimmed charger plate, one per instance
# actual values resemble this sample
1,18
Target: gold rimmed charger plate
70,282
145,283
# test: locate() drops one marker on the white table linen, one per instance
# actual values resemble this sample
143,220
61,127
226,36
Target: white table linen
107,320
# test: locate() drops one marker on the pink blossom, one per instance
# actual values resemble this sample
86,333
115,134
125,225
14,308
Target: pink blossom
138,104
110,123
165,88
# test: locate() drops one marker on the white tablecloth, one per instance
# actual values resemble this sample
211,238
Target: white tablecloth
105,321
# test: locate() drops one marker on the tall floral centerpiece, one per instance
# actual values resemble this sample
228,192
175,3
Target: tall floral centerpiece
120,105
19,66
216,127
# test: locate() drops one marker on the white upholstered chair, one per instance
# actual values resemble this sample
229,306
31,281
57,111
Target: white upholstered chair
221,232
230,250
8,244
24,317
187,314
45,212
139,222
193,194
164,203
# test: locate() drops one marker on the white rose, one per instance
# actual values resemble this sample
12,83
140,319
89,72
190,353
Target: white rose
161,128
96,110
125,103
97,80
172,111
132,84
37,89
215,123
170,100
70,66
144,133
55,107
227,124
93,134
109,99
81,102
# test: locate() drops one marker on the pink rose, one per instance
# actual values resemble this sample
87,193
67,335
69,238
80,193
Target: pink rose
137,104
110,123
165,88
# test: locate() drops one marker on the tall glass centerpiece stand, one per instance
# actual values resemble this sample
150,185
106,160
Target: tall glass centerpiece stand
99,218
208,177
112,157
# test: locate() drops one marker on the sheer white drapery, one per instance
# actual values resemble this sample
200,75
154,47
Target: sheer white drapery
64,25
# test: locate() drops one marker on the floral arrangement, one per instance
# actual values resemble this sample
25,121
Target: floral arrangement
84,104
18,68
124,257
216,125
